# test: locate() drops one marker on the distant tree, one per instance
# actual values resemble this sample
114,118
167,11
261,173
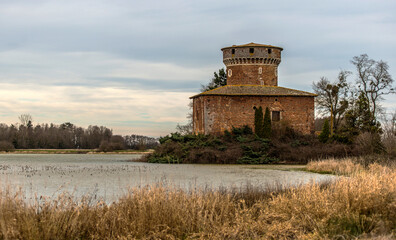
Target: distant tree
258,122
360,116
267,129
25,119
185,129
332,98
374,81
140,142
218,80
324,135
105,146
358,120
6,146
188,127
117,142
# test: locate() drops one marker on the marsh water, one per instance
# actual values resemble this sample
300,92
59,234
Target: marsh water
109,176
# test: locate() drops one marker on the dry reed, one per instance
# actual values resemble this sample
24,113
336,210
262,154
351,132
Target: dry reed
346,166
360,206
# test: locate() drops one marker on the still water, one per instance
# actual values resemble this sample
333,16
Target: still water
109,176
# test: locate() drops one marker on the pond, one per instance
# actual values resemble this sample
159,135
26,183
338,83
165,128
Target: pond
108,176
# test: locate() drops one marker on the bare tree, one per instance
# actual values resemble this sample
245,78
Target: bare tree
374,81
25,119
332,97
187,128
389,131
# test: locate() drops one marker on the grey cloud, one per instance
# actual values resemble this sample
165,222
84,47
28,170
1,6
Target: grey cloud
175,45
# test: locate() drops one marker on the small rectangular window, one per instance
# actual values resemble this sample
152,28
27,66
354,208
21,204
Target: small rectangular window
269,51
275,116
251,50
233,51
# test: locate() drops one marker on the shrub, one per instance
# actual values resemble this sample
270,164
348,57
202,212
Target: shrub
259,122
106,146
370,143
267,130
6,146
163,159
324,135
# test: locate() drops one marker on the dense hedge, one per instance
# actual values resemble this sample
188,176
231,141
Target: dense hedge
242,146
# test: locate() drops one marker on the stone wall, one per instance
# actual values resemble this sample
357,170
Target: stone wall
214,114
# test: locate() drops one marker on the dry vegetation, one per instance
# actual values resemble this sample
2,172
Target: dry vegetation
334,166
361,205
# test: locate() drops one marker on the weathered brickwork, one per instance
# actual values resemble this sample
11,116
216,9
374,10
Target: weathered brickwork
251,75
252,64
252,80
214,114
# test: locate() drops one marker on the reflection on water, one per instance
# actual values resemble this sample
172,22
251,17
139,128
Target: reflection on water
109,176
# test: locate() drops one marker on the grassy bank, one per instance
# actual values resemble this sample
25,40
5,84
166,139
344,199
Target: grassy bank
350,166
361,205
72,151
242,146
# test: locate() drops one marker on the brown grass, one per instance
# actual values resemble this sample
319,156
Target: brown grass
362,205
346,166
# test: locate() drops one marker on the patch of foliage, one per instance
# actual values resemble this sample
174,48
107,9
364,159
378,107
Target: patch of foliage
267,129
6,146
240,145
219,79
324,135
259,121
257,154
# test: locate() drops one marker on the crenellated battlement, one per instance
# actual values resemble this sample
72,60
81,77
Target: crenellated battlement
252,64
254,61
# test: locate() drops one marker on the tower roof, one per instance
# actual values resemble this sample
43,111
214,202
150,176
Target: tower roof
252,44
254,90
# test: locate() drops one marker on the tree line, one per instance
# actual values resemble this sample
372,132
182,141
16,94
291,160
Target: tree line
25,135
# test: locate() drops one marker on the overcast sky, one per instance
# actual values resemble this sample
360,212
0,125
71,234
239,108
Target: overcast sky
131,65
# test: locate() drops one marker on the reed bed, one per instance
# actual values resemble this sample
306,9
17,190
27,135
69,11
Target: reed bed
345,166
362,205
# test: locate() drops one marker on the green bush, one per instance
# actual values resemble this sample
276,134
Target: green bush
228,148
324,135
267,129
242,146
258,122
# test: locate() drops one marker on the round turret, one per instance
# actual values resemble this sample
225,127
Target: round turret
252,64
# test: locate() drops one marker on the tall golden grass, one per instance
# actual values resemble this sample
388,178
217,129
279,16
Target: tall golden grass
335,166
361,205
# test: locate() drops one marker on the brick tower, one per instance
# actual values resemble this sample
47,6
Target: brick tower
252,81
252,64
